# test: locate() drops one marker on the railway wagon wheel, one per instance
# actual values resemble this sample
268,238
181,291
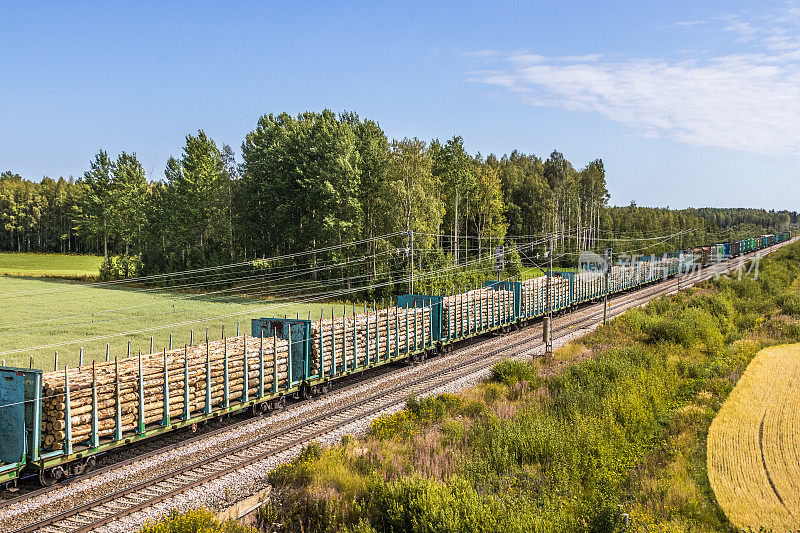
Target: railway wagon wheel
50,476
91,464
279,403
309,391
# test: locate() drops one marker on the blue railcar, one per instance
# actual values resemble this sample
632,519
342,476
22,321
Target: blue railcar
20,421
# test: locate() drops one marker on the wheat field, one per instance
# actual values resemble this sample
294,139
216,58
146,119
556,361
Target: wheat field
754,444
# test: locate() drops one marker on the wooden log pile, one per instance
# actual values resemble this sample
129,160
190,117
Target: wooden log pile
625,276
108,387
590,284
622,277
534,294
368,335
476,310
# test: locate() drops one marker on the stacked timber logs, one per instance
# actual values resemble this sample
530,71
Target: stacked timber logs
534,294
117,383
623,277
372,334
476,310
589,284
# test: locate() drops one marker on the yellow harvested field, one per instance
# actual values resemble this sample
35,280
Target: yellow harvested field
754,444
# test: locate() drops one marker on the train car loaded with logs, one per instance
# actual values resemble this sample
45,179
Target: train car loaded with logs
55,424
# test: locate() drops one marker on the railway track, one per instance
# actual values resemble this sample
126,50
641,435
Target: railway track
116,504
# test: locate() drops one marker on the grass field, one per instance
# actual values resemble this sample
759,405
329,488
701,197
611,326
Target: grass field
50,265
754,444
42,313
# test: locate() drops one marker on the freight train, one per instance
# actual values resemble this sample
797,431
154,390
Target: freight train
55,424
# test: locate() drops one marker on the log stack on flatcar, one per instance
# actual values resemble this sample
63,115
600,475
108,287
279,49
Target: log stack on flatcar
347,342
475,311
113,388
534,291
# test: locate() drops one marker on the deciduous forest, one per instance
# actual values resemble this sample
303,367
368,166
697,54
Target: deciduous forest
319,179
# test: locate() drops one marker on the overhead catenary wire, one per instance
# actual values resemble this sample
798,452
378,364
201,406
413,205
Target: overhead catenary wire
134,317
200,295
201,364
208,318
233,314
250,262
232,289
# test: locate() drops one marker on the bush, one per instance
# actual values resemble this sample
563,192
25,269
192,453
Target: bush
510,371
120,267
418,504
428,410
688,328
789,302
399,424
192,521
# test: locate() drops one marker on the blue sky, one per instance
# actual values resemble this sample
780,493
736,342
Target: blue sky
688,103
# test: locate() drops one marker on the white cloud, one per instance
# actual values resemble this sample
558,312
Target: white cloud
689,23
745,102
484,54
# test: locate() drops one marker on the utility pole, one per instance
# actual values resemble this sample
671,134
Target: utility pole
547,326
609,261
411,252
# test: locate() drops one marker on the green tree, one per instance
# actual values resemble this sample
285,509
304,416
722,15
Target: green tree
196,186
98,201
411,202
487,204
453,167
373,149
129,189
301,182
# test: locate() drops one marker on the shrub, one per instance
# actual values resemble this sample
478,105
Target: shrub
789,303
120,267
418,504
510,371
195,520
687,328
434,408
399,424
310,452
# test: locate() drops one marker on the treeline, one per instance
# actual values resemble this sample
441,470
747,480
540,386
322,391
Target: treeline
41,216
637,226
320,180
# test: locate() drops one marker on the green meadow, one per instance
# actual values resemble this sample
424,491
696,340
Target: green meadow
41,316
50,265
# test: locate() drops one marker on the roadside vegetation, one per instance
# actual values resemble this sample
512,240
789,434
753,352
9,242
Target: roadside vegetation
617,428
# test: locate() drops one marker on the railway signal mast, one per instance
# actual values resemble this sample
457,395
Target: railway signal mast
608,254
547,329
499,260
411,255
